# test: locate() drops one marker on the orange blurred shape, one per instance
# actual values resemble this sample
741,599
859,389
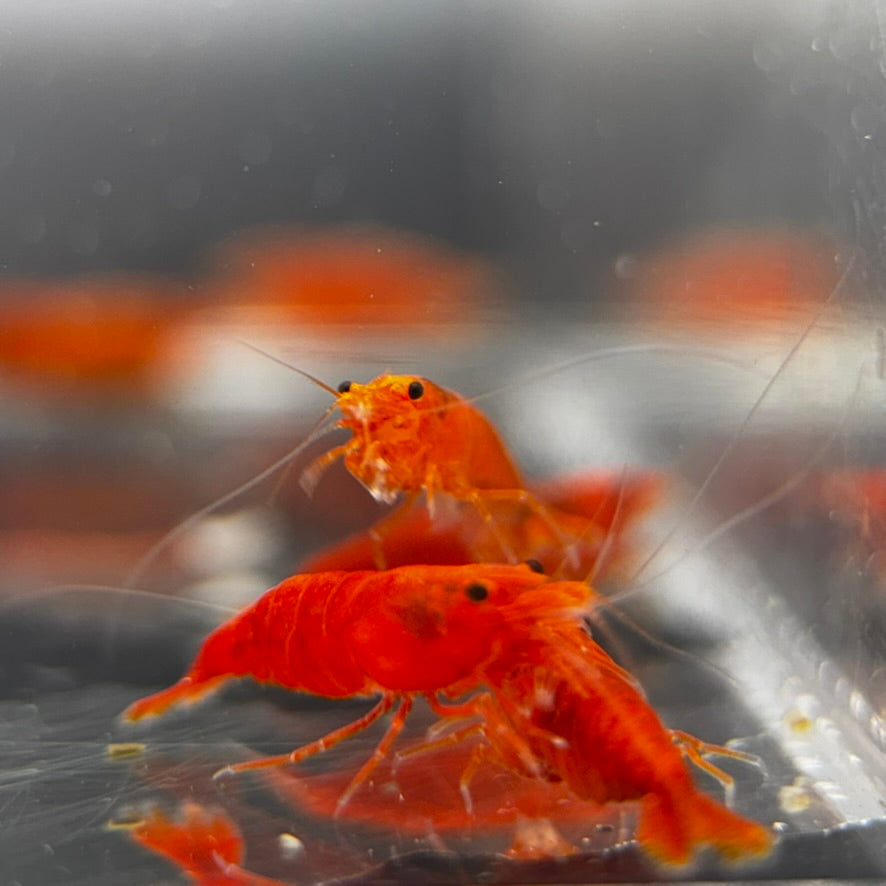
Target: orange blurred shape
101,333
726,279
854,500
205,843
420,796
858,492
353,275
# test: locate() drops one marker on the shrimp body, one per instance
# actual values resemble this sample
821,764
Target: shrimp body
588,724
416,629
545,700
411,435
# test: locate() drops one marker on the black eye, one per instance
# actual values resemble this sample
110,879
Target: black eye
476,592
344,387
416,389
536,566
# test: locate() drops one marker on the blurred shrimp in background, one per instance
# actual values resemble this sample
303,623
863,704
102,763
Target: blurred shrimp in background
644,240
128,346
360,277
732,283
89,337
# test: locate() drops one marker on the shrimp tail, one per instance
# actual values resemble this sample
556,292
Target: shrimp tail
186,691
672,828
221,657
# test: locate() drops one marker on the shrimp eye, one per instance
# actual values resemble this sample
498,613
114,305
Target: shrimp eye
476,592
416,389
536,566
344,387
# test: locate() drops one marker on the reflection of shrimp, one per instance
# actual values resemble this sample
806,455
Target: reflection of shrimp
587,723
417,630
204,843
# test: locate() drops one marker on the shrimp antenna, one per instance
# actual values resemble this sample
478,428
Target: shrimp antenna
311,378
766,501
609,354
609,606
730,447
136,573
115,591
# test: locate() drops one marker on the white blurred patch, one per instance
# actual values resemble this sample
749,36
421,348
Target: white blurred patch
235,542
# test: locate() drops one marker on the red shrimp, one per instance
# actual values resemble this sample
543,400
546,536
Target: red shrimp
586,722
551,704
402,633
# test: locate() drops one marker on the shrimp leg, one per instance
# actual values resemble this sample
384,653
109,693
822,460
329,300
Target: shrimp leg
381,751
480,497
696,750
384,526
321,744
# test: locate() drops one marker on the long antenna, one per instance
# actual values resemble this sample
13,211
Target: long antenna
301,372
148,558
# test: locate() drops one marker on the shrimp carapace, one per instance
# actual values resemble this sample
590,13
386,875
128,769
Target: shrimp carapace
411,435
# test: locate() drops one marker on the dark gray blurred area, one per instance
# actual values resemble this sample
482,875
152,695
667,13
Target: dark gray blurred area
136,135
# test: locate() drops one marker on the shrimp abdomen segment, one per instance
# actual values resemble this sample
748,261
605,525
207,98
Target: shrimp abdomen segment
294,636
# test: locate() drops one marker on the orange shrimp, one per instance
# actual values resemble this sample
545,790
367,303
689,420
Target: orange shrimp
403,633
588,725
410,435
